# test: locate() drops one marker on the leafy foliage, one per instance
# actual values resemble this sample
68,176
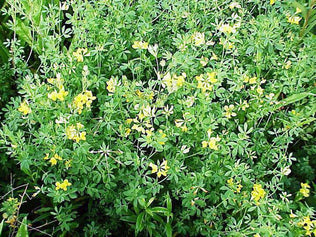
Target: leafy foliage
161,118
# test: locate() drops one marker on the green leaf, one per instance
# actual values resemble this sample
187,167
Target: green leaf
169,203
250,49
24,31
168,230
160,210
294,98
1,226
22,232
139,222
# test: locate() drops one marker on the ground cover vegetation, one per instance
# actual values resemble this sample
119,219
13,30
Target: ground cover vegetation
157,118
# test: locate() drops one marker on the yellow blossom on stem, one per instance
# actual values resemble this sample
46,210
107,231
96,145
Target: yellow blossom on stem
229,111
305,189
199,38
24,108
211,143
259,90
85,98
111,84
160,170
58,95
227,29
257,193
73,133
140,45
80,53
294,19
63,185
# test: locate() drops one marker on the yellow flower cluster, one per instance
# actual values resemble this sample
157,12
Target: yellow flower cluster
61,94
58,95
80,53
234,185
206,82
63,185
174,82
211,143
53,160
85,98
162,137
251,80
226,29
305,189
73,133
308,225
24,108
140,45
229,111
294,19
182,123
146,112
257,193
160,169
111,84
11,215
198,38
142,126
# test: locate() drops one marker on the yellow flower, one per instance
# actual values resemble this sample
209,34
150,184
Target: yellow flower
174,82
257,235
63,185
62,94
161,169
212,143
24,108
227,29
58,95
140,45
257,193
272,2
252,80
230,182
153,167
204,144
244,105
80,53
211,76
238,188
288,65
199,38
73,134
259,90
294,19
203,83
46,156
298,10
229,111
82,99
305,189
53,95
111,84
53,161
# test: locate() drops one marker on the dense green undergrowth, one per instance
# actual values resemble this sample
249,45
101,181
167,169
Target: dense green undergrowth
157,118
